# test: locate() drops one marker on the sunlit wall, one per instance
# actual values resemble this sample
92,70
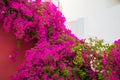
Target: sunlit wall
101,17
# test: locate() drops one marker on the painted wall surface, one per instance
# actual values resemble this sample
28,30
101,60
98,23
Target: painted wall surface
77,27
7,45
101,17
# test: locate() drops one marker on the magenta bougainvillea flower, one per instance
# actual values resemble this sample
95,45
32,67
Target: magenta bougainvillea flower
57,53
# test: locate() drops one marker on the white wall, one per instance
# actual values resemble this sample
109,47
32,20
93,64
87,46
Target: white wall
77,27
102,18
55,2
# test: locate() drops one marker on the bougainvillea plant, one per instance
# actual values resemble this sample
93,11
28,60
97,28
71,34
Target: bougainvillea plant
57,54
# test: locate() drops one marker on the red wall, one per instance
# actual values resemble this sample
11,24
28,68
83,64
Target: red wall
7,45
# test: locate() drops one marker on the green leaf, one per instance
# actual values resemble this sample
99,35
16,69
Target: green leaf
18,44
100,76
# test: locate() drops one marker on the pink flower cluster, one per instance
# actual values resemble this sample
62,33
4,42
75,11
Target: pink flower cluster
98,61
42,23
57,54
112,66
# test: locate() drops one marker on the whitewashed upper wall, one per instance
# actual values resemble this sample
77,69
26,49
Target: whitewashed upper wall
101,17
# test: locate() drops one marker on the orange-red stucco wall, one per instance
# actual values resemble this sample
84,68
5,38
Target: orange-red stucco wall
7,45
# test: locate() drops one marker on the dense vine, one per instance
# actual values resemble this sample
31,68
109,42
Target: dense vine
57,54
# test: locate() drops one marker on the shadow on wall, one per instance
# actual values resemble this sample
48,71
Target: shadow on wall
77,27
112,3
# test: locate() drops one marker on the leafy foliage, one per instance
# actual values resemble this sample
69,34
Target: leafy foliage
57,54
